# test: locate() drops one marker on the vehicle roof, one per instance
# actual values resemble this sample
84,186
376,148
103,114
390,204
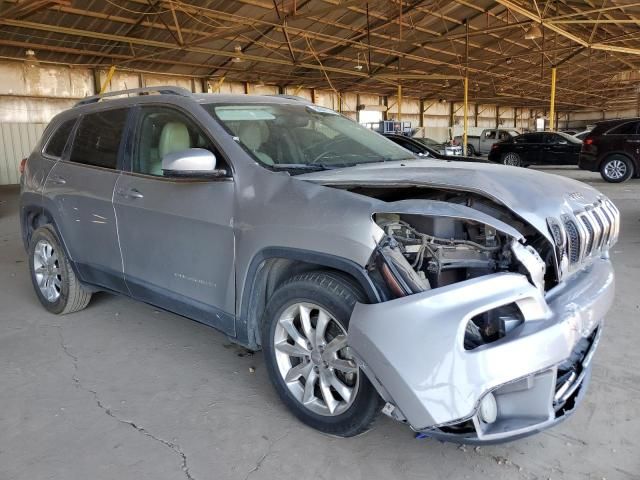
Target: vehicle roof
244,98
199,98
614,121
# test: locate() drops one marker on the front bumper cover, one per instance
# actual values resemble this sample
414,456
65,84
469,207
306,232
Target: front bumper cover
412,350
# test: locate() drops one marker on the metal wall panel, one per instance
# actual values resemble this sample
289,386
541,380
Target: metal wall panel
16,142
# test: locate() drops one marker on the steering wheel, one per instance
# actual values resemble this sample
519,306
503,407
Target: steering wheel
331,144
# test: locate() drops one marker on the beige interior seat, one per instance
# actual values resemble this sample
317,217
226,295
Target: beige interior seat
253,135
173,138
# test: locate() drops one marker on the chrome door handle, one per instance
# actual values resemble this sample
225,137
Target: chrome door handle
131,193
57,180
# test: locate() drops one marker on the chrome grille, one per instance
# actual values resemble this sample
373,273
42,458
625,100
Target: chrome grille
590,235
596,229
573,241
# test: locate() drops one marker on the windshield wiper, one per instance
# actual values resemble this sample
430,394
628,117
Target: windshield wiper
312,167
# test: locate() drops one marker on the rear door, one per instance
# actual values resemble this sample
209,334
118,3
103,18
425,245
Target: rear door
79,189
176,234
561,150
529,147
625,138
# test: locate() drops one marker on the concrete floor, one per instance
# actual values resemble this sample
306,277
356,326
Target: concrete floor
122,390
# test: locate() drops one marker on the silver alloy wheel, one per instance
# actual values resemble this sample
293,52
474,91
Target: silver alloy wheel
314,360
512,159
46,268
615,169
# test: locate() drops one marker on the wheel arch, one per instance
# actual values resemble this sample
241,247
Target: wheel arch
33,217
608,155
272,266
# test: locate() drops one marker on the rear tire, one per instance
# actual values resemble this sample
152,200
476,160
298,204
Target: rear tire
616,169
305,321
54,281
512,159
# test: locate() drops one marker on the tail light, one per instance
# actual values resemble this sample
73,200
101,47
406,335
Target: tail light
588,141
494,146
23,164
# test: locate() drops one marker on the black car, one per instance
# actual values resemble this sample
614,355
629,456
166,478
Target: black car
537,148
613,149
422,150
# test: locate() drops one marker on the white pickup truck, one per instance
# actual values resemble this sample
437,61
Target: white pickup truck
480,144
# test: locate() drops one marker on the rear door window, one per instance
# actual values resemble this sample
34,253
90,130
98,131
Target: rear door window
629,128
98,138
57,142
529,138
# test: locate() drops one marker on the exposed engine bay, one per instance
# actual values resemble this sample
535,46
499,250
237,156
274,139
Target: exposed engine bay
440,251
427,252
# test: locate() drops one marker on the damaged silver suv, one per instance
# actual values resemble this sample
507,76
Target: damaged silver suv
463,299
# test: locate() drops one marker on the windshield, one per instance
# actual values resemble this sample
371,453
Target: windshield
303,135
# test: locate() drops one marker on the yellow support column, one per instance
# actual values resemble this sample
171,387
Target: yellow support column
552,108
112,70
465,123
400,107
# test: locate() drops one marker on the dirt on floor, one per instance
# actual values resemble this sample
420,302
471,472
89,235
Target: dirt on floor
123,390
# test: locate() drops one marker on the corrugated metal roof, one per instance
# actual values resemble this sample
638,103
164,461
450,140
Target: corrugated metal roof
302,42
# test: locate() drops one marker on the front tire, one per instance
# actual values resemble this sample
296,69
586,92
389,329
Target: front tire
304,338
54,281
471,152
512,159
616,169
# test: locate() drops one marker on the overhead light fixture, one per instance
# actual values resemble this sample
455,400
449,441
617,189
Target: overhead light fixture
358,66
238,50
509,61
534,32
442,100
446,83
30,59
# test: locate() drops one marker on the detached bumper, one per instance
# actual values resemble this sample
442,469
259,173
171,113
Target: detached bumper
412,350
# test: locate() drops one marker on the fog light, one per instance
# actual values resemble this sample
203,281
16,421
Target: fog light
488,408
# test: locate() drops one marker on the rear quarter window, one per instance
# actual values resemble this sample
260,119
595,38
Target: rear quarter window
98,138
57,141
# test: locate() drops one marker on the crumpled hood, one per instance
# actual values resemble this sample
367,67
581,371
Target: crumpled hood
531,194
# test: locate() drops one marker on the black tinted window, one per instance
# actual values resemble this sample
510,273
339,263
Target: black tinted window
629,128
58,140
529,138
98,138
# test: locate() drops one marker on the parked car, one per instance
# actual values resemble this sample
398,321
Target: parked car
465,300
441,148
421,149
479,145
582,135
537,148
570,132
613,149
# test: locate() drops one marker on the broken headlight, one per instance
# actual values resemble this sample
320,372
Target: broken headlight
492,325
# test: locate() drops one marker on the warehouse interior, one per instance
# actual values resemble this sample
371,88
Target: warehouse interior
401,60
128,390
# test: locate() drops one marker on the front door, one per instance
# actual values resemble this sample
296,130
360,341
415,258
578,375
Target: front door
80,186
176,234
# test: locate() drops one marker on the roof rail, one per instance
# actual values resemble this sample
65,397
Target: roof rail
166,90
290,97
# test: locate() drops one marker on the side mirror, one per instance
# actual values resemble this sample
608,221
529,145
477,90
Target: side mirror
192,162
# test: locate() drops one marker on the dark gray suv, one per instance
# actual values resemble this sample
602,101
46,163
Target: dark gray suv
465,299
